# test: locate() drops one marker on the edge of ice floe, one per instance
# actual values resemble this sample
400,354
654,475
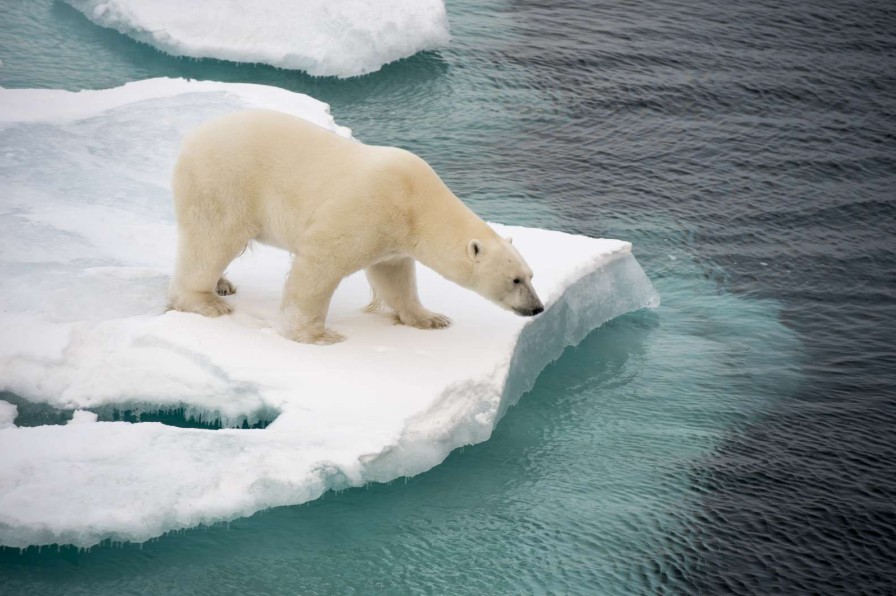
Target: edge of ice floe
43,105
334,54
464,414
567,320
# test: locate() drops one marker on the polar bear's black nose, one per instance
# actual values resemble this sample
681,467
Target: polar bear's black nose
537,310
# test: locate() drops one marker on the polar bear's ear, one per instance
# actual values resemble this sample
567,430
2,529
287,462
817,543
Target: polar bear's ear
474,249
509,240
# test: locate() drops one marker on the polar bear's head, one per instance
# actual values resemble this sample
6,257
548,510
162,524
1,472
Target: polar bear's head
500,274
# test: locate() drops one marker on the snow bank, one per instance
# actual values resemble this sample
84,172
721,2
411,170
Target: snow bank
340,38
86,245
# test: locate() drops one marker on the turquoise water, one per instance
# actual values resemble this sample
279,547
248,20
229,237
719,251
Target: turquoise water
637,463
584,486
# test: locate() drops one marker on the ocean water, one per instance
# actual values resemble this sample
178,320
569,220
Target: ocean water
739,439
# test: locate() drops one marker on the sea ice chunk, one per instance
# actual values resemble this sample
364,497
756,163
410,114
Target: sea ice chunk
87,237
8,413
323,37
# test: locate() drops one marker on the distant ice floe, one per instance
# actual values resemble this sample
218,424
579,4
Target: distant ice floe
86,246
340,38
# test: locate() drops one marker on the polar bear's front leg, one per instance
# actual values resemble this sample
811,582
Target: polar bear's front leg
395,283
306,300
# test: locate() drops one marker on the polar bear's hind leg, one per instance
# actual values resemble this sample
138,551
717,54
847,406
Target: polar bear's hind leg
197,283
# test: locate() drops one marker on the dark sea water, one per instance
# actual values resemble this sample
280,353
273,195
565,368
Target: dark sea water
739,439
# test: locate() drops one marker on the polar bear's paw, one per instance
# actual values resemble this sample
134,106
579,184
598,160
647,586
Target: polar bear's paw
224,287
203,303
214,308
325,337
329,337
423,320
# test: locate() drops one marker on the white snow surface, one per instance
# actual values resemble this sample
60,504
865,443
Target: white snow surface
86,246
83,417
340,38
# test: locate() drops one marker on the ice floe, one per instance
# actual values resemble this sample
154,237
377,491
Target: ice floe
8,413
86,246
322,37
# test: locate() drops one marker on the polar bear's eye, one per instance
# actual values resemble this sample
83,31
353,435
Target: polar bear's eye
516,280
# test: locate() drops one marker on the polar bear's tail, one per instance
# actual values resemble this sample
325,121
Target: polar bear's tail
376,304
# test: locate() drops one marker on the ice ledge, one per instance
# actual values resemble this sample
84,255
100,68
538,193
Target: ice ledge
58,105
616,286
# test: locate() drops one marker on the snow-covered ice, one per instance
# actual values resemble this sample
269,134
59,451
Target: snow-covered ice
86,246
341,38
83,417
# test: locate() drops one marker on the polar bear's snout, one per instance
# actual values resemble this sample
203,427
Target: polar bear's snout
529,312
531,303
500,274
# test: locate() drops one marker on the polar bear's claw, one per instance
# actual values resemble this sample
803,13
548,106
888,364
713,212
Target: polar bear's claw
429,320
224,287
437,321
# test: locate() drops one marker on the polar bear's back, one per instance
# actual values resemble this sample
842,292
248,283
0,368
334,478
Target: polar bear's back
271,176
264,130
259,146
256,165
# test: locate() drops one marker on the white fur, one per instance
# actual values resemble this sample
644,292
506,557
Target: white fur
338,206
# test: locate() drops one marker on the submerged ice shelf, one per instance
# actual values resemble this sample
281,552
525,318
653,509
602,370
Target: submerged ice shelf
340,38
87,246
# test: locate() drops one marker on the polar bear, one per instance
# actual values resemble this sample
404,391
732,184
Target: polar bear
338,206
